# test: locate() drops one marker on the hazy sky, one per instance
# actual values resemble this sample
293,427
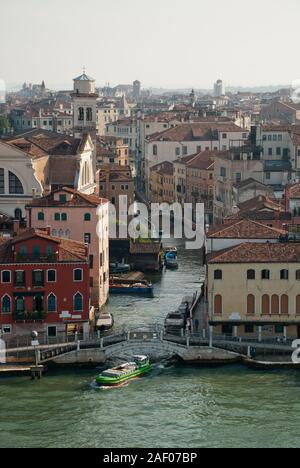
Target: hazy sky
167,43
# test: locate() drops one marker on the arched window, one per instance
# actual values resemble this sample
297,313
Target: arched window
38,303
154,150
6,304
89,114
251,304
298,305
54,232
298,275
265,306
284,274
78,303
18,214
265,275
275,305
218,305
51,303
80,114
61,233
284,305
41,216
251,274
15,185
218,275
87,217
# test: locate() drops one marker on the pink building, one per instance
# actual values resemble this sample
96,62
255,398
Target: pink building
73,215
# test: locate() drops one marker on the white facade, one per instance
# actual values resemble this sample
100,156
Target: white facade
14,197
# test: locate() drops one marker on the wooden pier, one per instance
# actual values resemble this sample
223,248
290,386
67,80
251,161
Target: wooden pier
35,372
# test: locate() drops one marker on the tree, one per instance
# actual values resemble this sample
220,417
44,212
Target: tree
4,124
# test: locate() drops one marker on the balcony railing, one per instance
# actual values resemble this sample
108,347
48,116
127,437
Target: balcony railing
29,258
29,316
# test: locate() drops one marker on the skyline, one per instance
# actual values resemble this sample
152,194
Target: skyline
169,52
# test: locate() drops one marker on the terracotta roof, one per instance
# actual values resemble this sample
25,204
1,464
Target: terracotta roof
294,191
196,132
261,202
258,253
245,229
164,168
78,199
69,250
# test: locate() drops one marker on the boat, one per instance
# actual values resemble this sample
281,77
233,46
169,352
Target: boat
169,249
119,268
171,260
105,322
129,370
142,288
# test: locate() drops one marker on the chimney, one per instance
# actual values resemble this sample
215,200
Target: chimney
48,230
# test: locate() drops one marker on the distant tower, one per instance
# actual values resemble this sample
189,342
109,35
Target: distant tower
136,90
193,98
219,89
84,100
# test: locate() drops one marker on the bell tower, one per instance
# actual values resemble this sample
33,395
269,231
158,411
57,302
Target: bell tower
84,99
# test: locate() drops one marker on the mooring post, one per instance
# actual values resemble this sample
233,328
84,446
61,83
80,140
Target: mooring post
211,329
101,343
78,345
128,336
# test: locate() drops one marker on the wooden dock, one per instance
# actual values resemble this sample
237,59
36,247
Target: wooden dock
16,370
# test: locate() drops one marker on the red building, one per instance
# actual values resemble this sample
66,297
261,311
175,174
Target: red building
44,285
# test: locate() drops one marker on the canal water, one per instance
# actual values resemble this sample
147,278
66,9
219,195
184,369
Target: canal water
173,407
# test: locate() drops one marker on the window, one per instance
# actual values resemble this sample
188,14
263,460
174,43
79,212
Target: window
224,136
37,278
251,275
51,303
6,329
41,216
57,217
38,303
20,304
284,305
265,275
268,175
275,305
279,329
62,198
5,277
270,151
279,137
78,274
154,150
238,177
51,276
177,151
223,172
78,303
298,275
218,275
6,304
87,217
184,150
284,274
251,304
18,213
87,238
52,331
89,114
218,305
36,251
20,280
91,261
80,114
2,184
249,329
49,250
64,217
278,151
265,309
15,185
298,305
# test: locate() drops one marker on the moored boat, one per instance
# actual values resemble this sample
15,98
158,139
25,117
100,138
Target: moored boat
119,268
171,260
105,322
119,286
129,370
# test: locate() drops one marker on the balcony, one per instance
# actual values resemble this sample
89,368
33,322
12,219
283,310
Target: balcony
29,258
32,316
